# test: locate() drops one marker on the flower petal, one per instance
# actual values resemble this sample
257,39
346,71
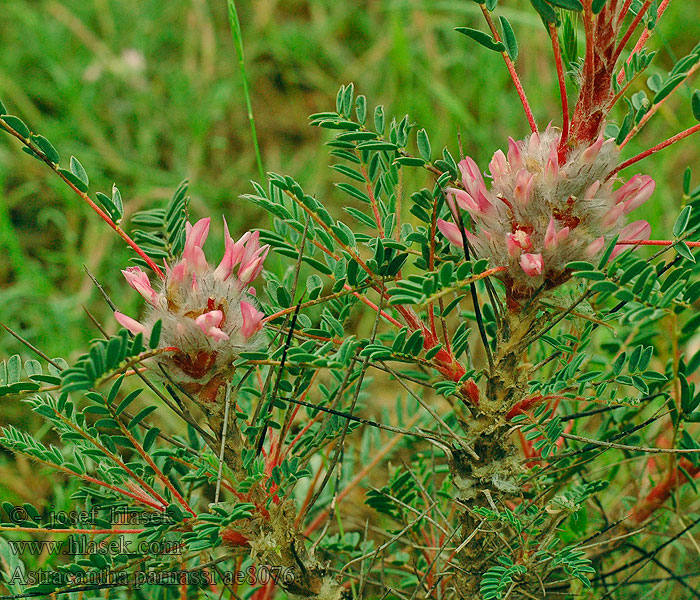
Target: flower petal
138,280
532,264
195,236
637,230
515,156
498,165
451,232
595,246
131,324
252,319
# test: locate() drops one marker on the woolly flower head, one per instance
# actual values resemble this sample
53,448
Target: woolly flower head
208,314
542,212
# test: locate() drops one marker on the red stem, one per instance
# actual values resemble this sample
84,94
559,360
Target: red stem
103,215
643,39
373,201
654,149
655,243
511,69
588,67
524,405
662,491
562,92
630,31
623,11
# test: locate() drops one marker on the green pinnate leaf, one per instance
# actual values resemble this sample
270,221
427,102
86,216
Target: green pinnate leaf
574,5
546,12
154,338
47,148
361,109
695,104
117,200
682,221
379,119
683,249
140,416
423,144
76,181
77,169
17,124
668,87
509,39
482,38
108,205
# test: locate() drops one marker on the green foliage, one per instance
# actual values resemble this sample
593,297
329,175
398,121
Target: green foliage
105,358
161,232
499,578
482,38
509,39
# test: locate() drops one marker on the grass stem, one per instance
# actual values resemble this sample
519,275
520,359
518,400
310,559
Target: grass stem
238,42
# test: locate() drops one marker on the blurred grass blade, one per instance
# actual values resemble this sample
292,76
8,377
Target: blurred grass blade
238,41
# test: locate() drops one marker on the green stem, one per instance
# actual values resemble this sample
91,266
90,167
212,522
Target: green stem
238,41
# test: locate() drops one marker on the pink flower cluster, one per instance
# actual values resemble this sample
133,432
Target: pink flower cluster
208,313
539,214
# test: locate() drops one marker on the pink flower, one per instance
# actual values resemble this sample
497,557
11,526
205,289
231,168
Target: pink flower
479,207
208,313
451,232
589,154
595,246
517,242
195,236
252,319
472,179
252,259
532,264
637,230
233,253
498,165
178,272
551,169
131,324
533,144
591,191
635,192
611,217
553,237
515,156
524,181
209,323
138,280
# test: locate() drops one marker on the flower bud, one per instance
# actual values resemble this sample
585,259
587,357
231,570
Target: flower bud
498,165
532,264
635,192
637,230
515,156
138,280
553,237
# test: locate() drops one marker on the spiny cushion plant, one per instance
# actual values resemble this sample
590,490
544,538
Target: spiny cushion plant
541,363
